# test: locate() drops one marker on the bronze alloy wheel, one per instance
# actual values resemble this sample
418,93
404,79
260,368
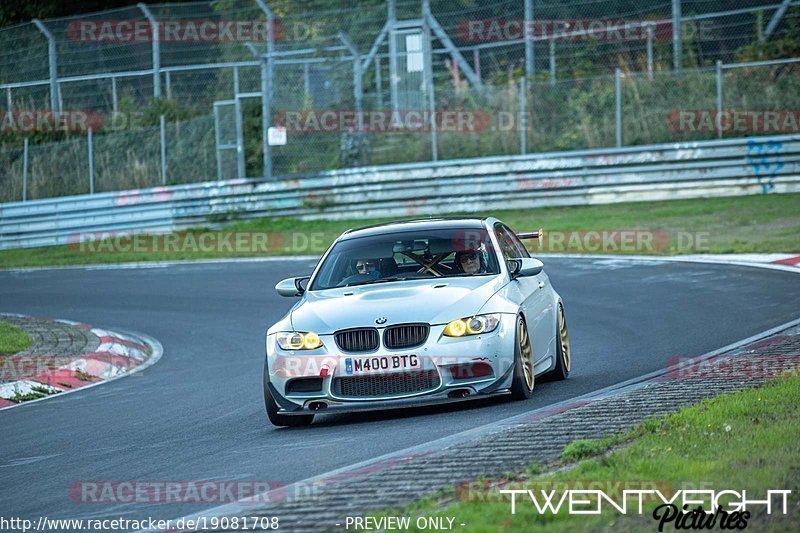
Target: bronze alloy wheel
525,352
564,338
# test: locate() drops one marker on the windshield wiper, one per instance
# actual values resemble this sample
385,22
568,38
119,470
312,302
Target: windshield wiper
376,280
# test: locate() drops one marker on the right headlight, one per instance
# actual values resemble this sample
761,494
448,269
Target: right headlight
474,325
298,340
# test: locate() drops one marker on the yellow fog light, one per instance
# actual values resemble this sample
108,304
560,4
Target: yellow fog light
456,328
311,341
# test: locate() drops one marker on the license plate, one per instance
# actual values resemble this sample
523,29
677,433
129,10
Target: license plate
380,363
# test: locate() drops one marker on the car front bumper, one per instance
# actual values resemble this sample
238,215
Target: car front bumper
465,367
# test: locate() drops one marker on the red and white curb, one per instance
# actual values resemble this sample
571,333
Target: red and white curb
118,355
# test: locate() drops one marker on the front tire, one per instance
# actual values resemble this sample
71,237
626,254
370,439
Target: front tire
524,377
272,409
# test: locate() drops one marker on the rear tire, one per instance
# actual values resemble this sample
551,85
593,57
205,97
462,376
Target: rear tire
272,409
524,377
563,353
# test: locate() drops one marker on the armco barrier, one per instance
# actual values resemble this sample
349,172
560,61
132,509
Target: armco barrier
642,173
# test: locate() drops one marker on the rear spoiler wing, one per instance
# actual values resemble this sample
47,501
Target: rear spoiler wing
531,234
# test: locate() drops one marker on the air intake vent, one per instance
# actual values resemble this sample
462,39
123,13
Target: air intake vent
386,384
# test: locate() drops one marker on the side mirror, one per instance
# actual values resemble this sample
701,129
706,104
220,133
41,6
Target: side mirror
291,287
526,266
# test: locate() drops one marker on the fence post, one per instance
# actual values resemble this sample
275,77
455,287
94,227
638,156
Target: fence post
677,60
552,61
235,81
163,131
91,164
53,61
378,81
476,62
719,99
168,80
25,171
9,100
266,87
156,48
618,102
523,121
650,50
428,76
114,102
529,49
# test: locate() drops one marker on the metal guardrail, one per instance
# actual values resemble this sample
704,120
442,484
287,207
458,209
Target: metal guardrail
642,173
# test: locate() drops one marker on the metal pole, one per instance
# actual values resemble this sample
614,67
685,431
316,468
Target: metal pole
776,18
241,170
267,71
552,61
266,115
429,89
393,70
169,85
51,52
163,150
9,101
760,26
476,61
235,81
529,49
676,36
650,51
378,82
391,19
523,121
719,99
306,80
156,48
91,164
217,142
114,101
25,171
618,101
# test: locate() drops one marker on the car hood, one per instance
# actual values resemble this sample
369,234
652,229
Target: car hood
435,301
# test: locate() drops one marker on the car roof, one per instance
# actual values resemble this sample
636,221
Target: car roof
415,225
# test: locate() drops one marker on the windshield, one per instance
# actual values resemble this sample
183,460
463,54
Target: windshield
408,255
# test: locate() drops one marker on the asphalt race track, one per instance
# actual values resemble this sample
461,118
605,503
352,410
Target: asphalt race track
198,413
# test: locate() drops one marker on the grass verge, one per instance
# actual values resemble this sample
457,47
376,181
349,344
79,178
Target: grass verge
12,339
740,224
746,440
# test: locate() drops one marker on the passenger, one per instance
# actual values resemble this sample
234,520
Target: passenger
368,266
469,261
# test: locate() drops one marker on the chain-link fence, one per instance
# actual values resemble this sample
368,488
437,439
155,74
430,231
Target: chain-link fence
390,81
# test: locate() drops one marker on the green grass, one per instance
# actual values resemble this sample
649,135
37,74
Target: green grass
12,339
747,440
35,393
758,223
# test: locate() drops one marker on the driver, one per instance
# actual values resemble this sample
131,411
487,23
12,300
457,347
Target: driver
469,261
368,266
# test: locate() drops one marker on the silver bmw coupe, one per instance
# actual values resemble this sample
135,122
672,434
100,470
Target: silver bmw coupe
415,312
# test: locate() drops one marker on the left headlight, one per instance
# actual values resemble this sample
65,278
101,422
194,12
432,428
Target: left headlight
298,340
474,325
